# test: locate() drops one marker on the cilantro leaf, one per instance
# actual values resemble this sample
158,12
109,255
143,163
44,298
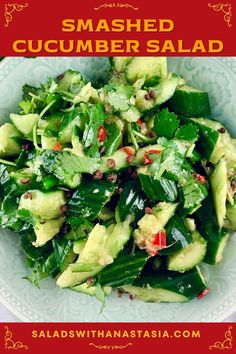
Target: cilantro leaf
42,270
166,123
187,132
25,215
118,96
66,166
5,180
193,193
118,102
96,119
27,106
168,161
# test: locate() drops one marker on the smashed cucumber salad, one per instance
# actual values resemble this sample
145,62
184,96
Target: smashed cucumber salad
125,184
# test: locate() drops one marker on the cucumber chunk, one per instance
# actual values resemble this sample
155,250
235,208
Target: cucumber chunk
167,286
190,256
120,160
178,236
218,182
190,102
71,81
102,247
216,243
89,199
24,123
163,92
119,63
230,222
139,158
208,137
43,205
9,140
131,115
153,69
46,230
163,190
132,202
124,269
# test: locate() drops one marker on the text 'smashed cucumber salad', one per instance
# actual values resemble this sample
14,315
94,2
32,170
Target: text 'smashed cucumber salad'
123,185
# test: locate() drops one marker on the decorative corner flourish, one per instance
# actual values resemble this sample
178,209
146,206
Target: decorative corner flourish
115,5
10,344
226,9
10,8
226,344
111,347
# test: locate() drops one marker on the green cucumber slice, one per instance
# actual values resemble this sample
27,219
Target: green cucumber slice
190,256
218,182
178,236
163,190
153,69
132,202
167,286
190,102
89,199
216,243
124,269
163,92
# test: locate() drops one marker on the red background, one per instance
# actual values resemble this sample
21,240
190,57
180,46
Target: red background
193,20
210,334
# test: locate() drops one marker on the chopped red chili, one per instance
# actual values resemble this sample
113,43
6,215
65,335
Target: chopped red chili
130,159
153,252
200,178
128,150
139,122
57,147
160,239
102,133
203,293
147,160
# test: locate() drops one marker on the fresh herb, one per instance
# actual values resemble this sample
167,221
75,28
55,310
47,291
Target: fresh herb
166,123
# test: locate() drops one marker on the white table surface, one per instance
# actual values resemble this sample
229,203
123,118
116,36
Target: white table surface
7,316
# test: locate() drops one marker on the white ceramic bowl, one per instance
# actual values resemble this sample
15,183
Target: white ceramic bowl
215,75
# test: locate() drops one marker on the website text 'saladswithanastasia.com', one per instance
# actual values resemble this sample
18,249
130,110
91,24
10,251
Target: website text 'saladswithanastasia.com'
133,333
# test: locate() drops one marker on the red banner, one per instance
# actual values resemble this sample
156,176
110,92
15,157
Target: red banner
101,28
126,338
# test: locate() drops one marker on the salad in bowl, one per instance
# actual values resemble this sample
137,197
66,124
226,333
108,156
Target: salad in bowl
126,184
